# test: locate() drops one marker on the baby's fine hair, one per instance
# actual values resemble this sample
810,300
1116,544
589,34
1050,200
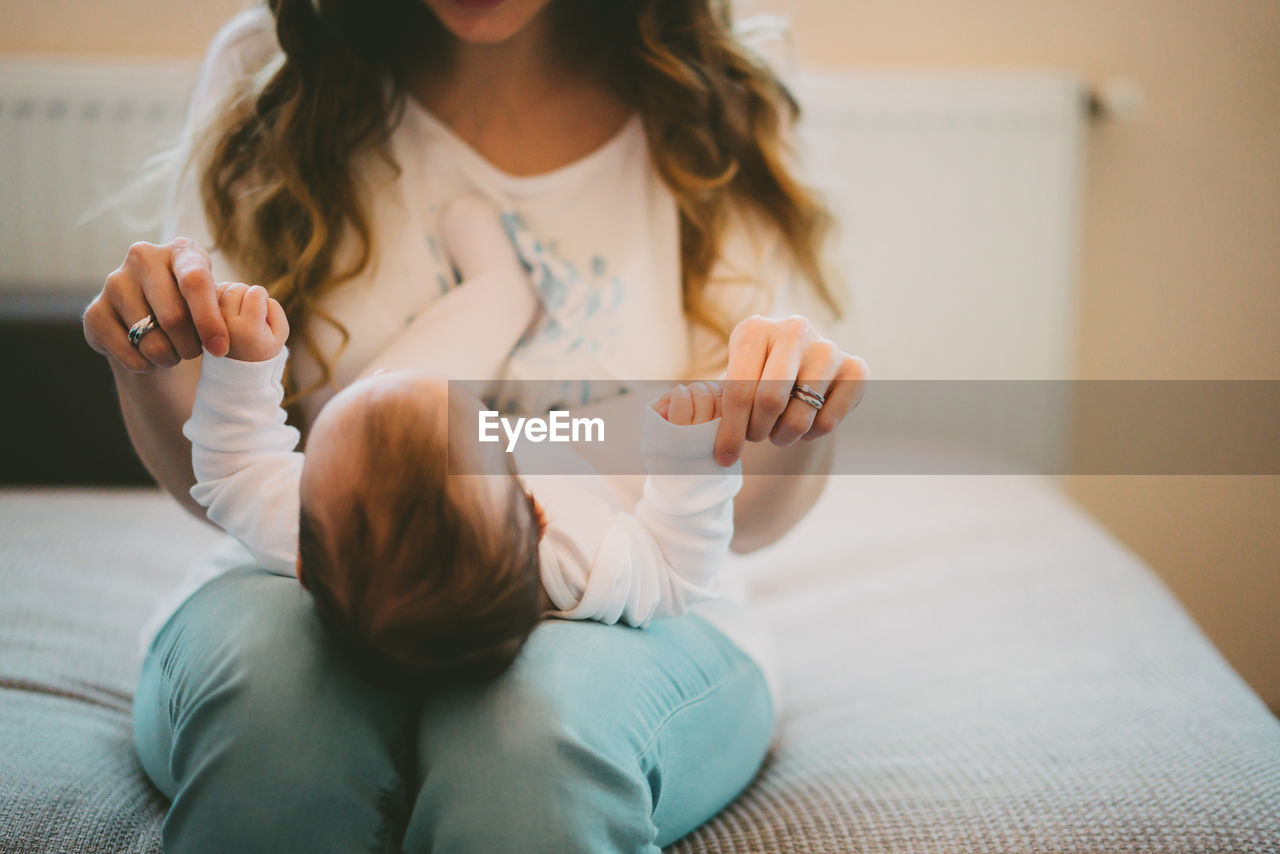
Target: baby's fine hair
420,589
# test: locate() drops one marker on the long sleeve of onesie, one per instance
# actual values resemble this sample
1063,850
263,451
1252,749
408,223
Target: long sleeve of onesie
247,471
609,566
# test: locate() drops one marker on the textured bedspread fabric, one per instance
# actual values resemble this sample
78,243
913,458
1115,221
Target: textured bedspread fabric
974,664
79,573
970,664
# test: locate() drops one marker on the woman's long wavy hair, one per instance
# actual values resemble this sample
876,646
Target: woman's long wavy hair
275,167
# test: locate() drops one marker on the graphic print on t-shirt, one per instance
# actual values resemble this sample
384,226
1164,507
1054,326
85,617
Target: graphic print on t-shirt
577,330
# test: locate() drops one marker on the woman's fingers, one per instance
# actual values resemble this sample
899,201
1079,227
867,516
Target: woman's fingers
130,307
149,270
193,274
843,396
817,369
767,358
171,283
748,346
786,352
105,334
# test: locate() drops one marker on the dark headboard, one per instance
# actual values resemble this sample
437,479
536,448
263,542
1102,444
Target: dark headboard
61,422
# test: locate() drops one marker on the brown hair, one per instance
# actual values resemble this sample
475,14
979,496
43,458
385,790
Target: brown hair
276,173
417,582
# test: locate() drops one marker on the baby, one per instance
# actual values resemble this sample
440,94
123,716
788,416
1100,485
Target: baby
426,578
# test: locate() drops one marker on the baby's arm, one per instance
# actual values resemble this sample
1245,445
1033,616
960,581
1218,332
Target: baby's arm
247,471
667,554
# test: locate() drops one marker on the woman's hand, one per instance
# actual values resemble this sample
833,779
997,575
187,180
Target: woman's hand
767,357
174,282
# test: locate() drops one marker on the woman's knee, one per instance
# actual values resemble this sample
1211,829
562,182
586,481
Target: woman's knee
528,763
271,739
599,738
244,625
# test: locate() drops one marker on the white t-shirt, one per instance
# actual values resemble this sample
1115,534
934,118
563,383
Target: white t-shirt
607,218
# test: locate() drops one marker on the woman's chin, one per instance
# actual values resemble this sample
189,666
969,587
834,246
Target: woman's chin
485,21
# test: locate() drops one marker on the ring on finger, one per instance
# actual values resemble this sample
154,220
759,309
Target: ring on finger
808,395
141,328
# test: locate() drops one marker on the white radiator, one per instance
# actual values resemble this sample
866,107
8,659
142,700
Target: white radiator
71,133
959,194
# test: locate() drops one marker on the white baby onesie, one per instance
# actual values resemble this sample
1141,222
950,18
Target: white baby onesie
599,559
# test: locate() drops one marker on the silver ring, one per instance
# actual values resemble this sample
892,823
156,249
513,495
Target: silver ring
142,327
802,392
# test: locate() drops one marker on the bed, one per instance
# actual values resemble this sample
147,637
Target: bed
971,663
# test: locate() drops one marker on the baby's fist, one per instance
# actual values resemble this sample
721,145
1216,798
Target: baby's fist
255,322
685,406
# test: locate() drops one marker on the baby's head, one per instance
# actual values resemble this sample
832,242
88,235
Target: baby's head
426,575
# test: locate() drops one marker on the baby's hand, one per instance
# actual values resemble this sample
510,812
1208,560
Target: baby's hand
685,406
255,322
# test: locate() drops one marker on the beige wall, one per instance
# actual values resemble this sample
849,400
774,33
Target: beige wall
154,27
1179,274
1180,267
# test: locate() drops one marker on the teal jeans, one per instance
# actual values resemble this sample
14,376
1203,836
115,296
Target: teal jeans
598,739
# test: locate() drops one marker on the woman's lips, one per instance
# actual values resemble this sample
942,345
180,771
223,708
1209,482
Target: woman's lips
478,4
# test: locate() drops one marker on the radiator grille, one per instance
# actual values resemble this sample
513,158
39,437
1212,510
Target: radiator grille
959,197
71,133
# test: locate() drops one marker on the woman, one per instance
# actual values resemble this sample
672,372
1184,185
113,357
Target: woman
640,143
